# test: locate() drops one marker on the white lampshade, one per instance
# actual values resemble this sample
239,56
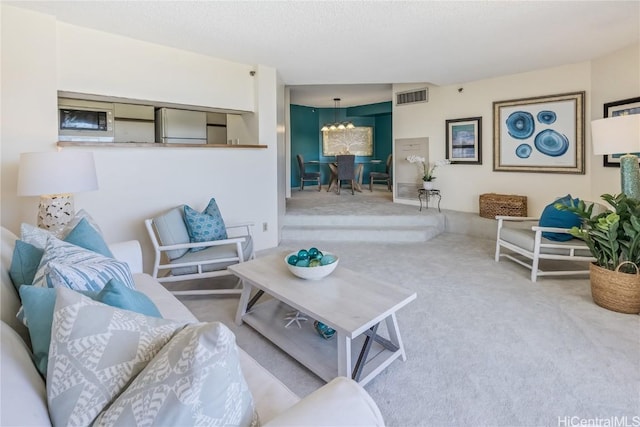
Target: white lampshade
616,135
56,172
54,176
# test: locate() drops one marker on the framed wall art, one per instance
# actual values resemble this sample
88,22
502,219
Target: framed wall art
541,134
464,140
358,141
619,108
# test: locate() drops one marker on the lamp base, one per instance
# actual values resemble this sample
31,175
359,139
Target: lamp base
55,211
630,176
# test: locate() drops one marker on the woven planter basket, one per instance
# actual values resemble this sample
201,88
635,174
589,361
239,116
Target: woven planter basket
614,290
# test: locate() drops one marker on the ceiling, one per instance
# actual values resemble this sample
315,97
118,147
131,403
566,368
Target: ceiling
345,43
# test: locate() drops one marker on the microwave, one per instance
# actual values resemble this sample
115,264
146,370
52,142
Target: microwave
82,120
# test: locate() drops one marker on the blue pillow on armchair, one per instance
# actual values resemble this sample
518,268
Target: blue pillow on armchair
205,226
552,217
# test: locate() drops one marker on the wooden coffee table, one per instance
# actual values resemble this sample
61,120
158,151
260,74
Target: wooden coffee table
360,309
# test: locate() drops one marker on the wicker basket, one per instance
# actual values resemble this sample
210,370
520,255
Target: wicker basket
614,290
492,204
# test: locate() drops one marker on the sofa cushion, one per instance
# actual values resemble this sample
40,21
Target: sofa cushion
117,294
99,349
38,236
172,230
141,370
38,304
204,226
24,398
68,265
27,256
194,380
24,263
85,236
552,217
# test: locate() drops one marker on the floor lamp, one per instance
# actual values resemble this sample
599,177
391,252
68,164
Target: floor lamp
54,176
618,135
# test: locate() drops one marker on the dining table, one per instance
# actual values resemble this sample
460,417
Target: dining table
358,171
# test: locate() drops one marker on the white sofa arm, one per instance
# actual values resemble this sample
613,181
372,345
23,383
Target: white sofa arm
129,252
341,402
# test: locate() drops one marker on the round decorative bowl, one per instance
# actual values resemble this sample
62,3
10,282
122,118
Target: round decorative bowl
312,273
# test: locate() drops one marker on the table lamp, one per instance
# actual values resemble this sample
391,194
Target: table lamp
619,135
53,176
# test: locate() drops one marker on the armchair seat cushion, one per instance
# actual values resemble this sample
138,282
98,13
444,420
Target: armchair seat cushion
212,253
525,239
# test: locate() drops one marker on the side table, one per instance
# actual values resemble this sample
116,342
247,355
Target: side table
427,194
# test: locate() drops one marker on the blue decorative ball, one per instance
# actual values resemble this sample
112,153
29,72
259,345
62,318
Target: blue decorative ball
325,332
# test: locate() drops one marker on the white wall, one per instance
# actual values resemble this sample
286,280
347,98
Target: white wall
614,77
96,62
135,183
462,184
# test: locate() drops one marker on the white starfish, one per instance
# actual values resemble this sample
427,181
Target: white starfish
295,316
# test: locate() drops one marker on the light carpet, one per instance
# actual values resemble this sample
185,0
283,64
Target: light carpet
485,346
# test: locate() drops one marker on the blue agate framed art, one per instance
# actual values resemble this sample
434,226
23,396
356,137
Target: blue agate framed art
541,134
619,108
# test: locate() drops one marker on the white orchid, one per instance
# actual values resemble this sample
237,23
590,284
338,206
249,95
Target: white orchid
427,171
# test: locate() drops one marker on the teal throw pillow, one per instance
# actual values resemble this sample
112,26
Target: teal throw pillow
116,294
85,236
24,263
27,253
552,217
39,303
205,226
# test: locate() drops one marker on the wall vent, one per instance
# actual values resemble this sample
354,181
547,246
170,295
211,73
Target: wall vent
412,97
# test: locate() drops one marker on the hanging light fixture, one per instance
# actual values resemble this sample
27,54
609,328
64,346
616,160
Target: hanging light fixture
336,125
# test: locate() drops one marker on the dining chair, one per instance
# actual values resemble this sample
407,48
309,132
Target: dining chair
333,179
307,176
346,170
382,176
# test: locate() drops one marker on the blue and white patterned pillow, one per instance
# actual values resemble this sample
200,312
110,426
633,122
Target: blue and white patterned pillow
205,226
66,265
129,369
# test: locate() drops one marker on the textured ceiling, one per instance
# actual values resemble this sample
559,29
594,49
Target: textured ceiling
370,42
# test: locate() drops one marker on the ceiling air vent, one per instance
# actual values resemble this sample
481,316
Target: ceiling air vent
412,97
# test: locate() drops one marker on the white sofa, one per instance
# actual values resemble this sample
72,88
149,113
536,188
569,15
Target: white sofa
23,398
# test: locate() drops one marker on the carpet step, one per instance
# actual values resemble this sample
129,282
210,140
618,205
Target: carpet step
423,220
341,233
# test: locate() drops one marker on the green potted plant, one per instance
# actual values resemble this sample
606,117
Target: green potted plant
613,237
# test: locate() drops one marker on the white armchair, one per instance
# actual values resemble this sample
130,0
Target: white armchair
522,240
175,261
526,246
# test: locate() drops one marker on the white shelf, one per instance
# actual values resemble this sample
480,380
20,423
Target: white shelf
308,347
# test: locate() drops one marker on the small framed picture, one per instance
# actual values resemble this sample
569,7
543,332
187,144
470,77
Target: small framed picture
619,108
464,141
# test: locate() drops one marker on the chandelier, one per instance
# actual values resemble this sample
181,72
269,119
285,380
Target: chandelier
336,125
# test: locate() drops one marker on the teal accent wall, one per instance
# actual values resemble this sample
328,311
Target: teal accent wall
306,138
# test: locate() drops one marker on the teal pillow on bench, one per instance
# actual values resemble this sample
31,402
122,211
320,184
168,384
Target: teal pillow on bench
552,217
